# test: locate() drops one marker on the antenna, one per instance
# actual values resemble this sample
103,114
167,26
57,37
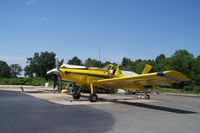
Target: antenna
99,48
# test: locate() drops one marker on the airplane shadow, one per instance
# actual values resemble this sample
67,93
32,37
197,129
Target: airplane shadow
155,107
38,91
32,92
148,106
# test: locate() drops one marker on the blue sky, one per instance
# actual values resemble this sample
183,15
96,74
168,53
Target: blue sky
121,28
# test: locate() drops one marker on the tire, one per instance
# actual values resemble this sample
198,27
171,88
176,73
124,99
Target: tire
93,98
147,97
76,95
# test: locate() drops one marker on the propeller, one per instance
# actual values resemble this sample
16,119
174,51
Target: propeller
55,71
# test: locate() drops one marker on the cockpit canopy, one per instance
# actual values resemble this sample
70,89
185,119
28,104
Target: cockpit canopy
112,69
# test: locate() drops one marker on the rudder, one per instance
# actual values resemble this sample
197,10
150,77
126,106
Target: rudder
147,69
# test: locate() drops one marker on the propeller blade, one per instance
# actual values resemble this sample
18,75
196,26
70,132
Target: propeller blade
61,62
57,63
56,71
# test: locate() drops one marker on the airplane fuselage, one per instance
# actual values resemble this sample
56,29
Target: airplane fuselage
86,76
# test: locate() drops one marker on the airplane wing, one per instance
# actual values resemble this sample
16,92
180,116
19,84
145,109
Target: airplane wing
157,78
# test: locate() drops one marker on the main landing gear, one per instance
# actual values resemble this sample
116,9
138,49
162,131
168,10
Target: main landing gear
147,96
76,95
92,98
144,96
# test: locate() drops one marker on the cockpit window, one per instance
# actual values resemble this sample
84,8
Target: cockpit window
110,69
107,67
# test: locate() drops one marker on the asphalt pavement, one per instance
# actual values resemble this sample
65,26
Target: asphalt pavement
22,113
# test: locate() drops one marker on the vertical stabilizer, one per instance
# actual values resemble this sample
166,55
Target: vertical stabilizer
147,69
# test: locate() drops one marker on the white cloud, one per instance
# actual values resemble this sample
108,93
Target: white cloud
29,3
40,19
44,19
12,58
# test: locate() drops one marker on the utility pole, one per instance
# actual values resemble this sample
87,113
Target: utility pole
99,56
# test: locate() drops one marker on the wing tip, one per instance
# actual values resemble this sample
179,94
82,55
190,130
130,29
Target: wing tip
179,75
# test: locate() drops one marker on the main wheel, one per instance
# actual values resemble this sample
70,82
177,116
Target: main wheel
76,95
147,97
93,98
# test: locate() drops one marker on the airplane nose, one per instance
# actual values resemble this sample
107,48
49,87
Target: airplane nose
55,71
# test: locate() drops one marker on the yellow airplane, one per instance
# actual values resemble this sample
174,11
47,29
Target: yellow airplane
111,77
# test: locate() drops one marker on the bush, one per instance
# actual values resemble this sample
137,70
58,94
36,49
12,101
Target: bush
188,88
23,81
38,82
196,89
192,88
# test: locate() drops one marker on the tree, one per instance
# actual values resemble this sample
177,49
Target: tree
75,61
15,69
160,58
127,64
105,63
92,63
4,70
195,71
139,65
40,64
181,61
161,63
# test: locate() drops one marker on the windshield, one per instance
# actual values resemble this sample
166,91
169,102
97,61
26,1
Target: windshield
108,67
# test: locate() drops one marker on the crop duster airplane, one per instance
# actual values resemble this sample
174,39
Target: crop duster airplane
111,77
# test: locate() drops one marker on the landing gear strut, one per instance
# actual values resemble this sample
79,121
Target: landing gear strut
93,97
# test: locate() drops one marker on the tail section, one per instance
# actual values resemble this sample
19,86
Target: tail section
147,69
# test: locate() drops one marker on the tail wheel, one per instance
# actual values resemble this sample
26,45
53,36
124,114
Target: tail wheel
93,98
76,95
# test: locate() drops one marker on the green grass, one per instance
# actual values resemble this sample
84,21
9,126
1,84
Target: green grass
167,90
24,81
176,91
192,89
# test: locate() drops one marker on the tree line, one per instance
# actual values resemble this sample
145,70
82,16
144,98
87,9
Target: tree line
182,61
9,71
